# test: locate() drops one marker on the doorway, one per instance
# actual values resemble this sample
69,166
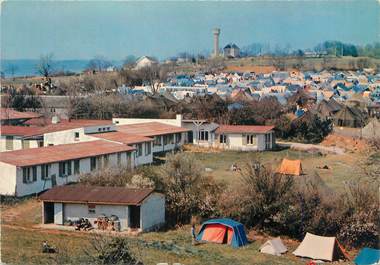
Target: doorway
134,217
48,213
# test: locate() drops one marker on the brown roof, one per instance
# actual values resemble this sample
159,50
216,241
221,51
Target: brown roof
244,129
150,129
10,114
17,130
68,125
122,137
95,194
51,154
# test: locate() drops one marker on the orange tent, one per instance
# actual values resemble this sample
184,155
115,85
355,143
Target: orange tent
290,167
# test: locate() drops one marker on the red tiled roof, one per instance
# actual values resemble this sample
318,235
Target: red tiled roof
18,130
68,125
244,129
51,154
10,114
122,137
150,129
95,194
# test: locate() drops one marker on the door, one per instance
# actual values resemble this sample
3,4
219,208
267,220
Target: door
48,212
134,216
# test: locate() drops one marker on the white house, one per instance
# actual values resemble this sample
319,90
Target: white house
145,61
13,138
245,137
31,171
137,209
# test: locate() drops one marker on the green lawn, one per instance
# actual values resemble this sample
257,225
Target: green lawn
341,167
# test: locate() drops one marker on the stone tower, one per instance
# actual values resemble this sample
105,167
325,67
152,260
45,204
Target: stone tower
216,32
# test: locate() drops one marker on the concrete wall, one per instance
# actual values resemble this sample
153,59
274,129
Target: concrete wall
17,143
152,212
58,213
174,122
7,179
11,177
73,212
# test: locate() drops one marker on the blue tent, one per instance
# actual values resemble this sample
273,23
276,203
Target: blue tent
368,256
223,231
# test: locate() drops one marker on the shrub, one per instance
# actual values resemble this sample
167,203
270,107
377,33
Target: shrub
188,192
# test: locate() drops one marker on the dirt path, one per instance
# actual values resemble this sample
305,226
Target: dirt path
306,147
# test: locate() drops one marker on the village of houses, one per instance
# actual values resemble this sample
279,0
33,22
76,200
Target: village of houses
45,151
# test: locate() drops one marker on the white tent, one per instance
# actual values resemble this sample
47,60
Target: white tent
319,248
273,247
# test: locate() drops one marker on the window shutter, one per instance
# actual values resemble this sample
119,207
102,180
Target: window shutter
43,175
24,175
69,167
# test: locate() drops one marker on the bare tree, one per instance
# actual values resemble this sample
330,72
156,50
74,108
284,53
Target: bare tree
45,66
99,63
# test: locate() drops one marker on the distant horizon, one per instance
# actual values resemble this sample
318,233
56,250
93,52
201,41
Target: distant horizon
81,30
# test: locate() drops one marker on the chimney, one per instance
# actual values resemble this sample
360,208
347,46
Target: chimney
216,33
55,119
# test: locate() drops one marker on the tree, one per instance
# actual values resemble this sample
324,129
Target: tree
99,63
130,61
45,66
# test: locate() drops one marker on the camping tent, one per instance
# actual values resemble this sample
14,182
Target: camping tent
320,248
290,167
273,247
368,256
223,231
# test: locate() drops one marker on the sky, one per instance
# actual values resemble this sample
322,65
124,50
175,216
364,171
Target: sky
84,29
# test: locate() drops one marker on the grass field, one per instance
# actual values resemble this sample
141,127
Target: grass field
341,167
21,237
21,241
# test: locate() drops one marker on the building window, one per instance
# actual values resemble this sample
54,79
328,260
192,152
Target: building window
118,159
91,208
106,159
45,171
223,139
29,174
166,139
76,166
171,138
25,144
148,148
178,138
139,150
203,135
93,163
250,139
9,142
76,134
157,141
69,167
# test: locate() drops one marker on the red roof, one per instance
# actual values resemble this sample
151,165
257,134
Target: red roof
18,130
122,137
96,194
68,125
10,114
243,129
150,129
56,153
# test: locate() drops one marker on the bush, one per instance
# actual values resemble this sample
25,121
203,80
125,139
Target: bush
187,191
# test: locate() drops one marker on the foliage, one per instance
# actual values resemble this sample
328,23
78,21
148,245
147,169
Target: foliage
112,250
188,192
264,195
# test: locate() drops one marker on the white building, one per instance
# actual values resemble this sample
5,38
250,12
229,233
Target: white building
31,171
137,209
145,61
13,138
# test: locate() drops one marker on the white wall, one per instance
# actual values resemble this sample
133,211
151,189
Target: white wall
11,179
235,142
152,212
58,213
169,146
144,159
7,179
174,122
73,212
17,143
66,137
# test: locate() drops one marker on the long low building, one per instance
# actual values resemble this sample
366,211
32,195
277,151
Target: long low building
137,209
31,171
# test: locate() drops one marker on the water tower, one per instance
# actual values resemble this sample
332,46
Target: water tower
216,33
